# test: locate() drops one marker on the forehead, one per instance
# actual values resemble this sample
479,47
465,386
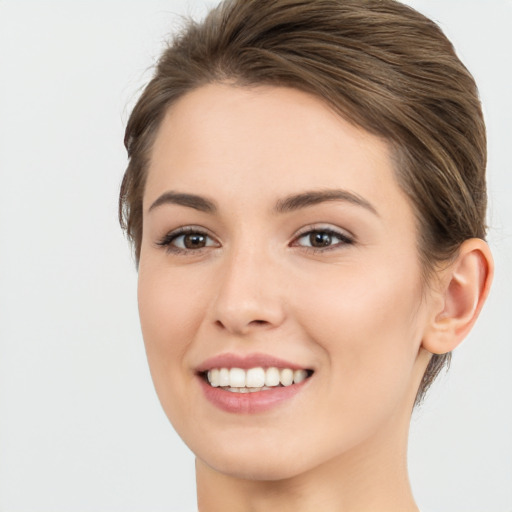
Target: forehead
263,141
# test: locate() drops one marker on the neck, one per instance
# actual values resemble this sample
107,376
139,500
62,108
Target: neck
368,478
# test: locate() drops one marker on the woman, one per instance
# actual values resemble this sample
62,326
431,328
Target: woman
306,198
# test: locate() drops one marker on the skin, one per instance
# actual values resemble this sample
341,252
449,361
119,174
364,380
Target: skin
357,313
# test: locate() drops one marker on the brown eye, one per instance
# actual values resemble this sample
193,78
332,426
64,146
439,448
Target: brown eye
323,239
187,239
194,241
320,239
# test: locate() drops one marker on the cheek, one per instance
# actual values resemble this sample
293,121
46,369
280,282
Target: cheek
369,326
169,317
168,307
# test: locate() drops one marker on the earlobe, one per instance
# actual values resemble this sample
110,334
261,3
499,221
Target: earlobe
464,287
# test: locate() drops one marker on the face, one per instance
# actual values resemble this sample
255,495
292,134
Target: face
280,289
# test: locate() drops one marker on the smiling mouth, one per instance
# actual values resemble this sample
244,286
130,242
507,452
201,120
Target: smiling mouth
238,380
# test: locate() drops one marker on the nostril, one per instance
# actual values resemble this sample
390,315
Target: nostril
242,328
258,322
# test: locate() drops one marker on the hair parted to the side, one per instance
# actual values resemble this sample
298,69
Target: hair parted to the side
378,63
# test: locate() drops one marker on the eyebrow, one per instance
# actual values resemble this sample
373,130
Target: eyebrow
286,205
190,200
313,197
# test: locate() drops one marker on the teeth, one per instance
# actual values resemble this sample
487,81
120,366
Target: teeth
299,376
286,377
213,377
272,377
254,379
247,390
223,377
237,378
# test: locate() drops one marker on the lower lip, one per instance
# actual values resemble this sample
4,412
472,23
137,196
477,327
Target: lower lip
250,403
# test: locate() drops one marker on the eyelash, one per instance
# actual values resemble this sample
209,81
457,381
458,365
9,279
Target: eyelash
343,239
169,238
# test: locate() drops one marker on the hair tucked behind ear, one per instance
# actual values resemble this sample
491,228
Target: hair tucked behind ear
378,63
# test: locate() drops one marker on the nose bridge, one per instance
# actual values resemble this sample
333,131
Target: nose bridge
249,295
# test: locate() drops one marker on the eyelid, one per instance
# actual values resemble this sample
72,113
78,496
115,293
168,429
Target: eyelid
345,236
325,227
167,240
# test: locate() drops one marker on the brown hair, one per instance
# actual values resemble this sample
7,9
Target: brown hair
378,63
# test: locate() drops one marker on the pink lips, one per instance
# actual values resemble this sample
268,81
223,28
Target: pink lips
248,403
245,362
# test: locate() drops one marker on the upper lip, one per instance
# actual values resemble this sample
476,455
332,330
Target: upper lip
245,362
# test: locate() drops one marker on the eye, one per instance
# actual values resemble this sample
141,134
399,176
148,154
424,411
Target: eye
187,240
322,239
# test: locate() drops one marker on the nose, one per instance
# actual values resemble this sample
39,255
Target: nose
250,293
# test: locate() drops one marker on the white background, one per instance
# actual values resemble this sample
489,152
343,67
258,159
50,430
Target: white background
81,429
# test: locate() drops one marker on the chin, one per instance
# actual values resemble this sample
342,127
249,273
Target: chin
274,458
261,468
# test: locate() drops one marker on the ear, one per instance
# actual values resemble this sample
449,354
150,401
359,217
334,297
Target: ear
464,286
